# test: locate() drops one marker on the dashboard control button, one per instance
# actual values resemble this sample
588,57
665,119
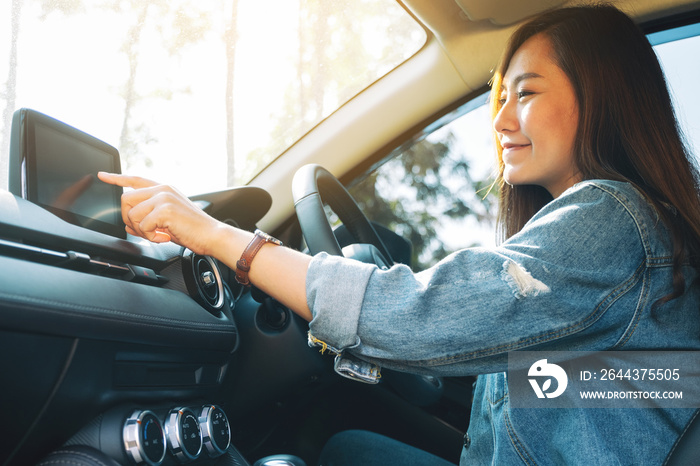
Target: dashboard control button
184,434
144,275
144,438
216,433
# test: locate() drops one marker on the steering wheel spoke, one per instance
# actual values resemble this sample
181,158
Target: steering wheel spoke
312,185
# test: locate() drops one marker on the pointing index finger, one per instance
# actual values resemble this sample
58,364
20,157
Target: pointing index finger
125,181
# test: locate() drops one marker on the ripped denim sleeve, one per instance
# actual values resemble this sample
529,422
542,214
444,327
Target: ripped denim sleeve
521,281
336,306
348,365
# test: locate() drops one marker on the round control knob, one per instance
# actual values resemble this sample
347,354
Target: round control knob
184,434
144,438
216,432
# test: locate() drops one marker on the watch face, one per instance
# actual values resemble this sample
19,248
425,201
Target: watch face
268,238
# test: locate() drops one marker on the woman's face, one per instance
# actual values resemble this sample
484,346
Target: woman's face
536,124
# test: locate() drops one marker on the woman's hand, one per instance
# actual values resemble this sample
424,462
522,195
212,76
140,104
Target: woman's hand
160,214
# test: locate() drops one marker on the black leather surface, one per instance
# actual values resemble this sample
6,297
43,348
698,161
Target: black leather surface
77,455
40,298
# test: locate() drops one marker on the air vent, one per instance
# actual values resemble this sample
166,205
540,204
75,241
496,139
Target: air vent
203,281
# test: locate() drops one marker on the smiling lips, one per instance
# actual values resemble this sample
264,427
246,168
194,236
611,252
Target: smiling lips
510,147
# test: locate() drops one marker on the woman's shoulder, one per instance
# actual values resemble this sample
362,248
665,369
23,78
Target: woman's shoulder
622,191
614,194
617,202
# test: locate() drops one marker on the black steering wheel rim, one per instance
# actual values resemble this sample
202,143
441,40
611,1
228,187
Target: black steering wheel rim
311,186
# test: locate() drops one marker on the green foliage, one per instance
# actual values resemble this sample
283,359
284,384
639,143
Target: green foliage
178,28
334,62
425,193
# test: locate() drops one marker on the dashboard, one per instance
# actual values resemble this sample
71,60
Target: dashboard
131,347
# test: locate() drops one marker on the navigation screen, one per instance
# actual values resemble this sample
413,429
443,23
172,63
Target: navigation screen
58,168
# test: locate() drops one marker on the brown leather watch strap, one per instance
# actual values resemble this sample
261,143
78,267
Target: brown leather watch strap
243,264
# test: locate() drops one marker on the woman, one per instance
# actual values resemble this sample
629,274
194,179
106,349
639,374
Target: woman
600,219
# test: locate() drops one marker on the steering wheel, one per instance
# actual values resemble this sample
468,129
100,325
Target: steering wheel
312,185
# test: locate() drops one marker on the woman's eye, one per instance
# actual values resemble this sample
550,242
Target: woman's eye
518,95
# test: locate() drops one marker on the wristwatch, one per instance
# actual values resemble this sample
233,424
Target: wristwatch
243,264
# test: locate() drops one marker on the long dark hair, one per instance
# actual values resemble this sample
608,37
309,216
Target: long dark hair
627,127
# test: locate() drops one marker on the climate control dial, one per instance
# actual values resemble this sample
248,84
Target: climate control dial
184,434
144,438
216,432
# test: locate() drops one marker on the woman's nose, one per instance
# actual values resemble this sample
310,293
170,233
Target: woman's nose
506,120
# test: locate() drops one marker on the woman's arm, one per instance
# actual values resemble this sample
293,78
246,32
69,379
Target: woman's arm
160,213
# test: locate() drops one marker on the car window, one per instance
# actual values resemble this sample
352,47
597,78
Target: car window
198,94
678,51
434,189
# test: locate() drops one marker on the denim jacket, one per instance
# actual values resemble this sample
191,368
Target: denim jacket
582,275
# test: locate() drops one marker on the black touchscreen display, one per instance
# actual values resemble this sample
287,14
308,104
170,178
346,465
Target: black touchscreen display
57,167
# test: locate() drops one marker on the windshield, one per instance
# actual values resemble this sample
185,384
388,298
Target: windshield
199,94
